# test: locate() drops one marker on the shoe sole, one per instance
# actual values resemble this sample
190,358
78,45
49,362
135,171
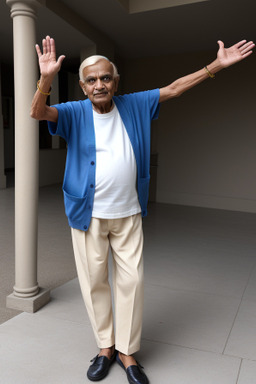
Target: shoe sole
97,378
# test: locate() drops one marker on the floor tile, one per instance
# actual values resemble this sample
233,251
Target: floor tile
166,364
66,304
188,319
44,350
7,314
69,292
248,372
199,250
193,270
250,292
242,340
64,310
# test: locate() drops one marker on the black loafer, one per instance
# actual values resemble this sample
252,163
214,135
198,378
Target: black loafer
134,373
100,367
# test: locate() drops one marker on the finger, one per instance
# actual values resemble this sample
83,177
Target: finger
48,44
240,43
250,45
246,54
38,51
44,46
52,46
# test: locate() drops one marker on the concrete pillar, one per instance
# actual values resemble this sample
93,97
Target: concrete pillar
2,175
26,296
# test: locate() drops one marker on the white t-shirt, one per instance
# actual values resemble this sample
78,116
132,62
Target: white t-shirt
116,171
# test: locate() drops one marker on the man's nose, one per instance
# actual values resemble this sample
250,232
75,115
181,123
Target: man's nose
99,84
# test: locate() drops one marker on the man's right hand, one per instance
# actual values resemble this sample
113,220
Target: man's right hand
49,67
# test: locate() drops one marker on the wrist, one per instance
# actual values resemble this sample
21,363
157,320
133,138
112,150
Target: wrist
46,79
44,86
215,66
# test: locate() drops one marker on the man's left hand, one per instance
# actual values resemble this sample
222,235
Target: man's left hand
234,54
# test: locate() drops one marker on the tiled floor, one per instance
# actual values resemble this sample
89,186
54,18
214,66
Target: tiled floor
200,303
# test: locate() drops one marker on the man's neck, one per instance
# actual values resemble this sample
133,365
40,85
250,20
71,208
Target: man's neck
106,108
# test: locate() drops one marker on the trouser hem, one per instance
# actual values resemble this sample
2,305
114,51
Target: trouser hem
127,351
106,343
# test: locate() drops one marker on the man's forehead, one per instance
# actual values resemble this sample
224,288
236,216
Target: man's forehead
101,67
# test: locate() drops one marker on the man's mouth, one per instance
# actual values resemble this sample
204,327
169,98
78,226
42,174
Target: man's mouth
100,94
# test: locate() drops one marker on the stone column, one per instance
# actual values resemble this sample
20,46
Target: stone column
27,295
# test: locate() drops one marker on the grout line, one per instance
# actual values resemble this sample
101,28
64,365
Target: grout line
250,275
232,326
239,371
192,291
190,348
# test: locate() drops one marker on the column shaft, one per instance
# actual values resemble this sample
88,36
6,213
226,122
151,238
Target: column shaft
26,149
26,295
26,158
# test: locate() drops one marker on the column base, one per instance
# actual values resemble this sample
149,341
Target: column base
31,304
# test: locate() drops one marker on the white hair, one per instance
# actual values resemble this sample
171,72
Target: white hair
91,60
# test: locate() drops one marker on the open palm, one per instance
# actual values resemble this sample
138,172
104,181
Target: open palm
234,54
49,67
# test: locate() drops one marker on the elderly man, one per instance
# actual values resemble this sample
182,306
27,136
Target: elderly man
106,190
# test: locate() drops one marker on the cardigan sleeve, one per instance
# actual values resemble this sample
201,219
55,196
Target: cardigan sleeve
69,116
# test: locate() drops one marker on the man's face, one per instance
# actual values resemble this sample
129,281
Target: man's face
100,85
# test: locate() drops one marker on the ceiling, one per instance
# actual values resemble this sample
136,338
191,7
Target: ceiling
171,29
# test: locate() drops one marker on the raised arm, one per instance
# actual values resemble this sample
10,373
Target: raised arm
49,67
225,58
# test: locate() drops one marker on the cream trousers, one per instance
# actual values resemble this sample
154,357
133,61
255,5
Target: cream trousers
91,249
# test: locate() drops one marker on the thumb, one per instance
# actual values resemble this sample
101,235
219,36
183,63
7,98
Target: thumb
60,59
221,44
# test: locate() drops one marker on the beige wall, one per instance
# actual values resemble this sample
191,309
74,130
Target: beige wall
206,139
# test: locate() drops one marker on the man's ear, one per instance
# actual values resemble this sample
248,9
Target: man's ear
83,87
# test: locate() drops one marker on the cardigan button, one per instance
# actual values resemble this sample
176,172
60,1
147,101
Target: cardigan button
85,226
92,163
91,186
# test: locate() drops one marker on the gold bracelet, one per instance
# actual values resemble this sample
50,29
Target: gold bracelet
211,75
43,93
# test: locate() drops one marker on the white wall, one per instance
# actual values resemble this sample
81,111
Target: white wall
206,139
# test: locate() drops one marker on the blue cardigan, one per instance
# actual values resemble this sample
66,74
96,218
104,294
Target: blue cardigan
75,125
